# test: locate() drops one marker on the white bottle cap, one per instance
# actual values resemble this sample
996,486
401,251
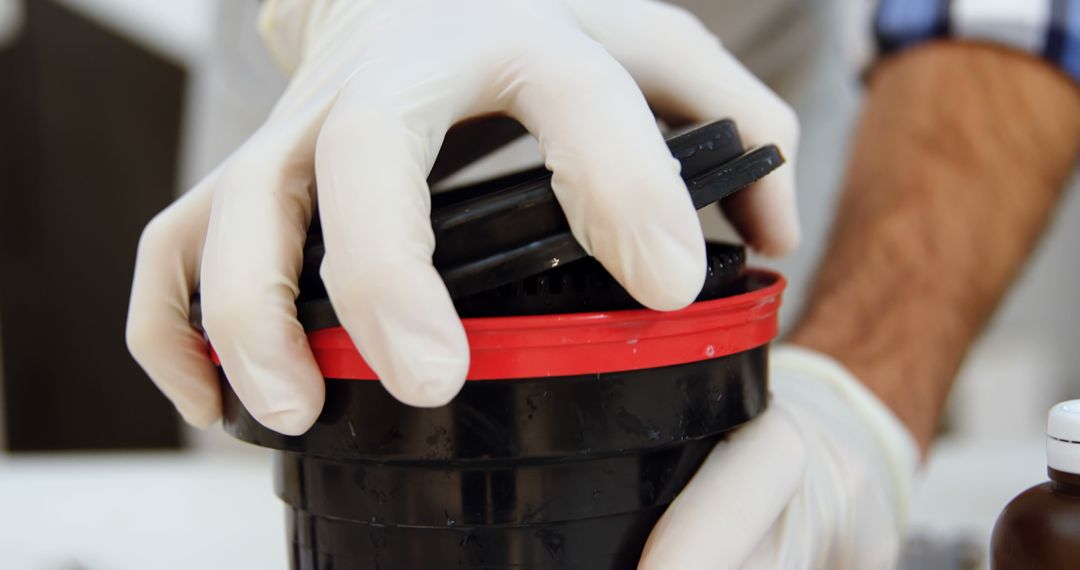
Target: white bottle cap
1063,437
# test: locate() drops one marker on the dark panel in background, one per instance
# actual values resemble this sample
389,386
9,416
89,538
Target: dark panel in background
89,129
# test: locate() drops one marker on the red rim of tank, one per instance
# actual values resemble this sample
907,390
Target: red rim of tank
539,346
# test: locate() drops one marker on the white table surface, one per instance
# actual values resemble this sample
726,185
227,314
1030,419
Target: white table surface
215,508
142,511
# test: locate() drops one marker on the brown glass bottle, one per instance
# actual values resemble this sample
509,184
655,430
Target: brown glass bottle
1040,528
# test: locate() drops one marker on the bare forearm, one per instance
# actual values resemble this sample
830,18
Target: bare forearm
959,158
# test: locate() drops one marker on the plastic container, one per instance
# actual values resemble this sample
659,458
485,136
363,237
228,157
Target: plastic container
583,415
1040,528
571,436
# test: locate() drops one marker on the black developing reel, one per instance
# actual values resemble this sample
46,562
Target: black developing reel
578,287
585,286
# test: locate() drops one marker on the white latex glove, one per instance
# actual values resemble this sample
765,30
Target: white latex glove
377,83
820,480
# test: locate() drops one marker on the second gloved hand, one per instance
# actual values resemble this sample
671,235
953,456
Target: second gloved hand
376,86
821,480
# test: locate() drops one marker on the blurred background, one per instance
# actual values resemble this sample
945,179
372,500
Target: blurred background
110,108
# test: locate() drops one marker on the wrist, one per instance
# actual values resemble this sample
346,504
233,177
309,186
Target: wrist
822,387
913,391
959,157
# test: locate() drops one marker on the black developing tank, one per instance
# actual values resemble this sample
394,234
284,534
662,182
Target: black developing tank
583,416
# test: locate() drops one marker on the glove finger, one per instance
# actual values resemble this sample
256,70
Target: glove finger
251,262
734,499
686,73
374,153
613,175
158,333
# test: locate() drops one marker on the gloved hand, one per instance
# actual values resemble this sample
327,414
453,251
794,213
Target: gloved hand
377,83
821,480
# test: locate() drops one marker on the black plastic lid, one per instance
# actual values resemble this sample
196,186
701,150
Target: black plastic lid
503,230
504,247
577,287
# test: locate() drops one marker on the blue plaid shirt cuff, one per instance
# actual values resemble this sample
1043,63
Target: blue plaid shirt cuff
1045,28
